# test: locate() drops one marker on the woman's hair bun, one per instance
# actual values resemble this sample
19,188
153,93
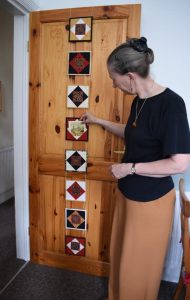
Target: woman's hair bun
143,39
132,56
139,45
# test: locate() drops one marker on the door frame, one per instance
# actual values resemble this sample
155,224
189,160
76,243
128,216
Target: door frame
21,10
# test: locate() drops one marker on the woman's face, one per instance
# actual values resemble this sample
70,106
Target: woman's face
122,82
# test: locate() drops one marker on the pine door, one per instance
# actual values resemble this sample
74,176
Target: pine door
57,237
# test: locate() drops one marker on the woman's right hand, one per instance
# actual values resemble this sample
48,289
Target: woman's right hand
115,128
88,118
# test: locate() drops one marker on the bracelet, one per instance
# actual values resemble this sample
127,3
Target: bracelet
133,170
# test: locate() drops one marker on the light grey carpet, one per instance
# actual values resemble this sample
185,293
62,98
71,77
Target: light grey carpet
9,265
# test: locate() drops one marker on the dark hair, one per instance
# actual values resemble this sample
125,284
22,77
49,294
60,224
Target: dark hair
132,56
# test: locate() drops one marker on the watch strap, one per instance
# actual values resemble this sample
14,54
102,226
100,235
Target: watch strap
133,170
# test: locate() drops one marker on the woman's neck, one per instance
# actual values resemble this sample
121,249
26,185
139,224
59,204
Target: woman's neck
147,88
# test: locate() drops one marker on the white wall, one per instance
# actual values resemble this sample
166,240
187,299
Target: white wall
6,77
166,25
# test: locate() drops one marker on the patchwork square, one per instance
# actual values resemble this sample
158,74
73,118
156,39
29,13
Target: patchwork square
80,29
75,219
75,190
76,161
75,245
77,96
79,63
76,130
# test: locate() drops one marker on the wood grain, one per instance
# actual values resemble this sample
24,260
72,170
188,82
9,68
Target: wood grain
96,168
34,99
80,264
98,12
185,239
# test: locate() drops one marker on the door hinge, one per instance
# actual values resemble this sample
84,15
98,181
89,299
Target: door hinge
28,45
29,231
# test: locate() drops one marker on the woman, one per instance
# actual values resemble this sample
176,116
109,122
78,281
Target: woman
157,146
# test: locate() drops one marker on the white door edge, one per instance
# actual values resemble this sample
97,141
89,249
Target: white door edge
20,125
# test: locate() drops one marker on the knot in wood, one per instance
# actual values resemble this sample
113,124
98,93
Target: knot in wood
38,84
97,99
34,32
57,129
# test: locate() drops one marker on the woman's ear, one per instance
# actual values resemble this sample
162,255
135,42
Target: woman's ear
131,75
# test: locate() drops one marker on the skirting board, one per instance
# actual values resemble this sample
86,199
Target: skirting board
6,195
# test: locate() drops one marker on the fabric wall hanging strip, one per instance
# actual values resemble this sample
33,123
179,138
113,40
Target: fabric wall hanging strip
76,130
76,161
79,63
75,190
75,245
75,219
77,96
80,29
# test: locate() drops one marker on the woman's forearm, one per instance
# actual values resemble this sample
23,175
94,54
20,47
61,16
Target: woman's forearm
176,164
115,128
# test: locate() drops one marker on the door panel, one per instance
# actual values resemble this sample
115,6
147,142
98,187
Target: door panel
103,101
110,102
49,49
99,215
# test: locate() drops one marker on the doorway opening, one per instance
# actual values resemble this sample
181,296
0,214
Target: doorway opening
14,131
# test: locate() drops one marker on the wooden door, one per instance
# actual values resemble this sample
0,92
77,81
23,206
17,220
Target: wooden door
49,49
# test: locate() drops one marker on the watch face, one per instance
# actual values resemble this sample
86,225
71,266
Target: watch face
133,170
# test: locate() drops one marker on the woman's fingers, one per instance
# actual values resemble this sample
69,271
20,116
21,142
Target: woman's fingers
87,118
83,118
119,170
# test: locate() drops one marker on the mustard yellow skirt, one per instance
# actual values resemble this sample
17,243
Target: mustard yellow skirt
140,237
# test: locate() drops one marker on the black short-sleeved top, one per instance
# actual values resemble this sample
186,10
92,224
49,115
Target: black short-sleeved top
162,130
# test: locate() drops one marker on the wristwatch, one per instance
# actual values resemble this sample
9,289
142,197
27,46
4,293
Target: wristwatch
133,170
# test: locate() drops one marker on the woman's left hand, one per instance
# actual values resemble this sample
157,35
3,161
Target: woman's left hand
120,170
